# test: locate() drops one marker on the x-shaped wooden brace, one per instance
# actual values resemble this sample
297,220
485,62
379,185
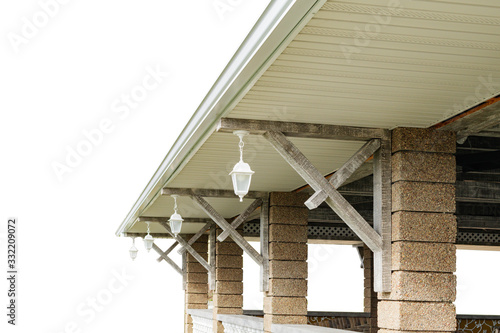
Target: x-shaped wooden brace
230,230
378,239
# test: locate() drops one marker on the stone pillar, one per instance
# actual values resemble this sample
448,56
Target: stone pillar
285,302
370,296
228,294
196,293
423,234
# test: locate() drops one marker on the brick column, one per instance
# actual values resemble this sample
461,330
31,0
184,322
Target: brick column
370,296
423,234
196,294
285,302
228,294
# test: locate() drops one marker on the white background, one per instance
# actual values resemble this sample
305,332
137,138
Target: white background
62,81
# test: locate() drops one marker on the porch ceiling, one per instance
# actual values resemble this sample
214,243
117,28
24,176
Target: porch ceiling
420,63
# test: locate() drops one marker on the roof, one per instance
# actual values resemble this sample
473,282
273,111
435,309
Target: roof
354,63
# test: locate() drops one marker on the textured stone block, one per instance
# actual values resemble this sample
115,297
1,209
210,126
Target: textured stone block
196,306
235,311
228,247
288,233
416,316
288,215
195,267
423,257
285,305
287,287
200,247
287,199
227,261
423,167
229,274
282,319
288,251
424,227
198,277
196,288
423,197
190,258
189,328
229,287
228,301
287,269
423,139
420,286
196,298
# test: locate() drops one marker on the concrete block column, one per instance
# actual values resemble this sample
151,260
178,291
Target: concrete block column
423,234
370,296
196,293
228,294
285,302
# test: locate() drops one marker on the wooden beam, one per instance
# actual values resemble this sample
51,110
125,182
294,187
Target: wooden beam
241,218
197,236
319,183
221,222
264,244
158,219
170,249
478,222
209,193
188,247
211,257
301,130
344,172
382,216
184,271
167,259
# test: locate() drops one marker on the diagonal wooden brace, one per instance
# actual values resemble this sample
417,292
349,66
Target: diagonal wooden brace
221,222
188,247
319,183
166,253
193,239
167,259
344,172
241,218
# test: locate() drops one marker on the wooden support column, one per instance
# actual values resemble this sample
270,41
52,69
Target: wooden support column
423,286
370,296
196,291
285,302
228,294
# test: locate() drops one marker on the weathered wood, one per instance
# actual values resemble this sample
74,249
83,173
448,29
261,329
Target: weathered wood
319,183
302,130
170,249
167,259
158,219
264,244
478,222
382,216
188,247
221,222
211,257
202,192
197,236
241,218
184,271
345,171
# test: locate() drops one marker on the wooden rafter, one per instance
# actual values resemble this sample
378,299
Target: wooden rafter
197,236
167,259
264,243
241,218
209,193
166,253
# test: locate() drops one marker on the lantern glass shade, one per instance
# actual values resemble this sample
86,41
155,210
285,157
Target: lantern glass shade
175,223
133,252
241,176
148,242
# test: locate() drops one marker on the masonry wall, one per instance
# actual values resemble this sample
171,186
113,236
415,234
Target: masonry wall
196,293
285,302
423,234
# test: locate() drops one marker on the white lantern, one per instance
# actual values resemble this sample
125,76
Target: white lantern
241,174
175,219
148,240
133,250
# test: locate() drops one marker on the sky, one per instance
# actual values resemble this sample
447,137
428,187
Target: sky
93,96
